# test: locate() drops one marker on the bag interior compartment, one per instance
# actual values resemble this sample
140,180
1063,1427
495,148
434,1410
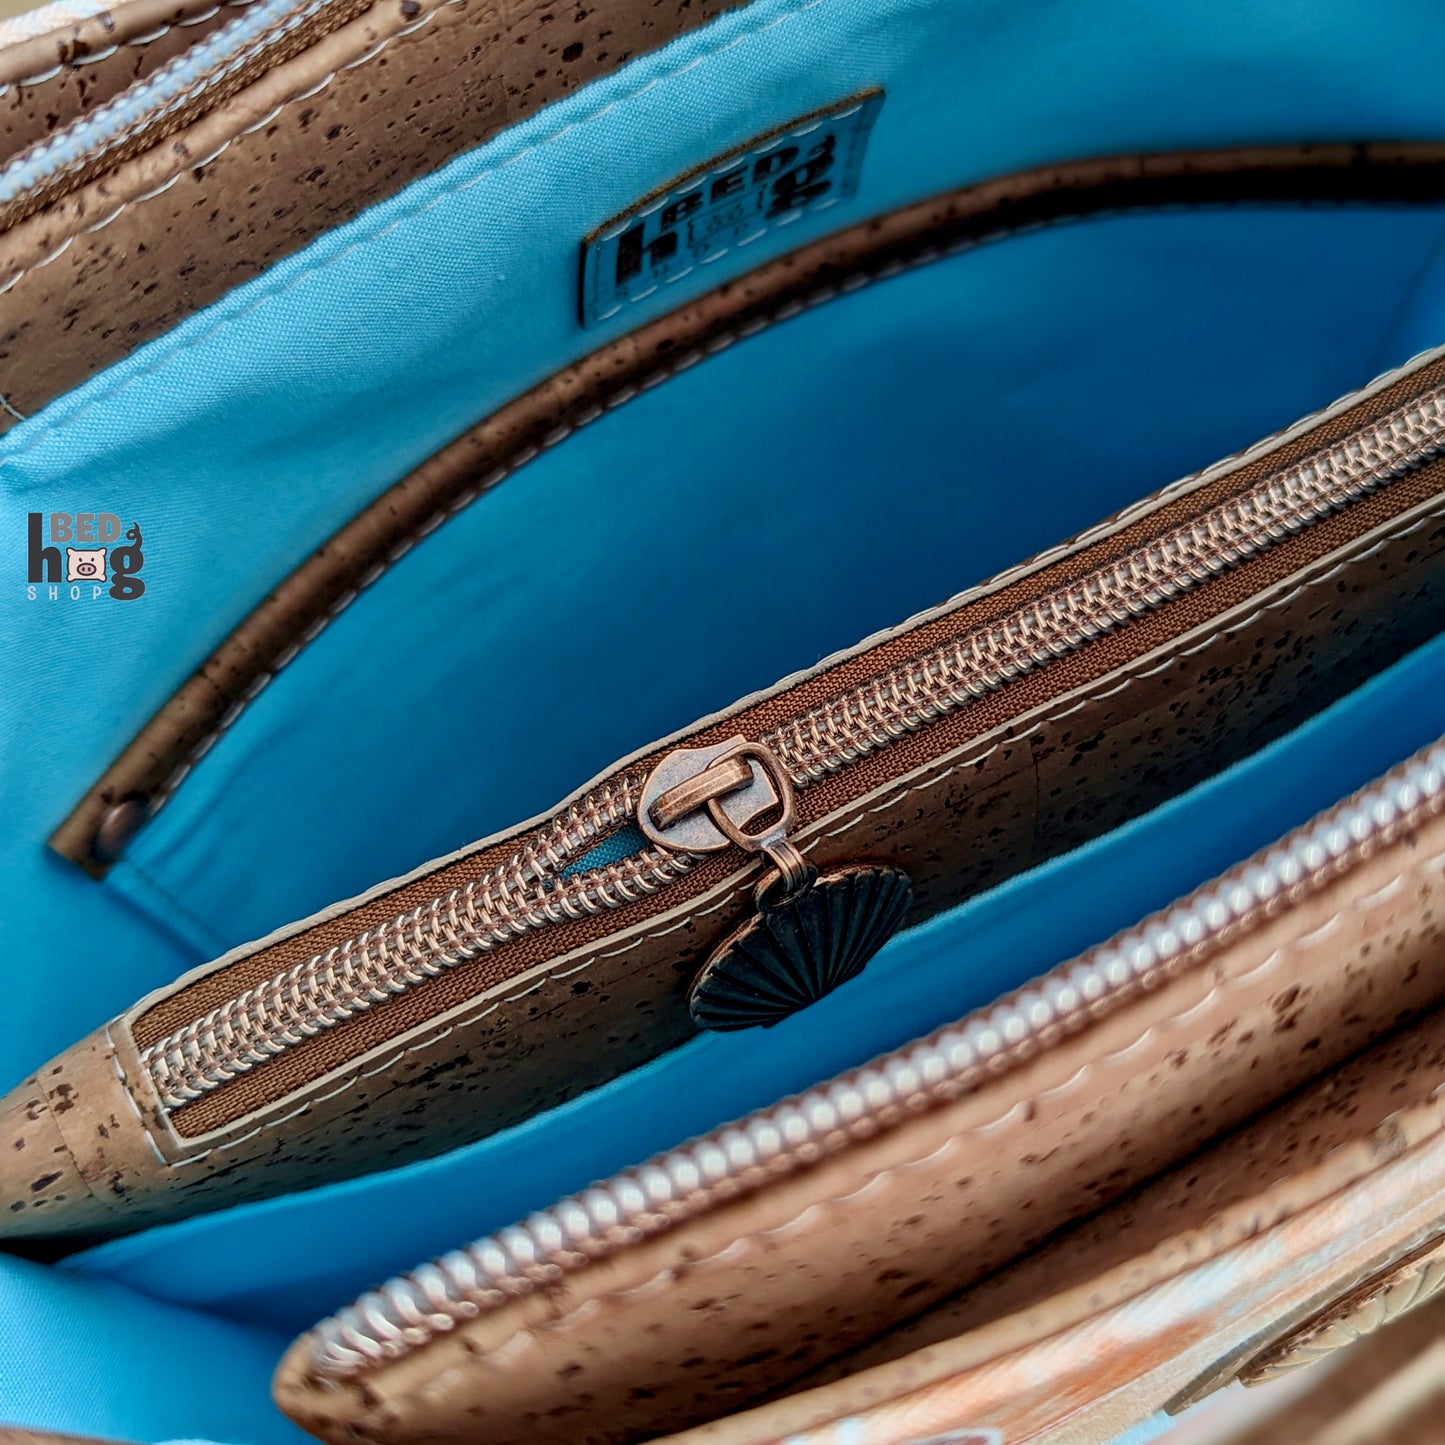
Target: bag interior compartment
278,1265
1043,336
1237,684
906,991
250,432
513,654
769,506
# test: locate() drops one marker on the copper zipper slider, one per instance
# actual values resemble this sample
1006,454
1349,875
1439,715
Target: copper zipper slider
810,933
701,800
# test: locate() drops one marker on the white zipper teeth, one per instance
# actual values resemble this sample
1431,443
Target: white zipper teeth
412,1309
527,893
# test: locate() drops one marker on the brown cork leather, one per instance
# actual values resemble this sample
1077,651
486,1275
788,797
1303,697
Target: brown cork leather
53,79
1359,1099
387,97
267,49
1015,779
294,613
745,1299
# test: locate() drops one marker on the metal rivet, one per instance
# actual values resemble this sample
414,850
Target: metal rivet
121,822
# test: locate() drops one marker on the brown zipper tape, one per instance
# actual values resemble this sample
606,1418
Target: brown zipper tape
232,74
142,777
916,843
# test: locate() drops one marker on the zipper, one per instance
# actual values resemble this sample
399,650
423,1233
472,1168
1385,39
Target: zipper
261,38
547,881
412,1309
139,782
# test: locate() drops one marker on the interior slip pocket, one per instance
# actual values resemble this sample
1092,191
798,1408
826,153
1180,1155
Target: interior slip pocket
1017,721
546,546
1000,401
282,1262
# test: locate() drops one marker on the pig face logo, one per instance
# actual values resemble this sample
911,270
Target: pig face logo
109,565
85,564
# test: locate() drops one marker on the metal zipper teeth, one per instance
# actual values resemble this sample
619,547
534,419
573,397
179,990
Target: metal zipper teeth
964,669
211,65
525,893
413,1309
352,977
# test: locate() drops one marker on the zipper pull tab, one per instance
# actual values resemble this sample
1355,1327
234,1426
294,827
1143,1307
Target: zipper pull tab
701,800
810,933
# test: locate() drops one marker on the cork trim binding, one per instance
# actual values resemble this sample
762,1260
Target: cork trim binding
93,38
347,1082
147,773
224,64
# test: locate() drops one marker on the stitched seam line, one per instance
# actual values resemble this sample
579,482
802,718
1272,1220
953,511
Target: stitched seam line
608,401
212,940
1132,674
953,1141
138,42
383,227
53,162
314,90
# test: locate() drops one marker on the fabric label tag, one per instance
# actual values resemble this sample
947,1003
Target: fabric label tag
807,166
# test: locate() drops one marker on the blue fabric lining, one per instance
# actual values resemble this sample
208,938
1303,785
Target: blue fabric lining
86,1357
619,845
727,527
242,439
284,1262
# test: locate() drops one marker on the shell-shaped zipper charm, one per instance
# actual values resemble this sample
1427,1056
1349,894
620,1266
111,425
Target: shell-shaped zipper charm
810,934
793,952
